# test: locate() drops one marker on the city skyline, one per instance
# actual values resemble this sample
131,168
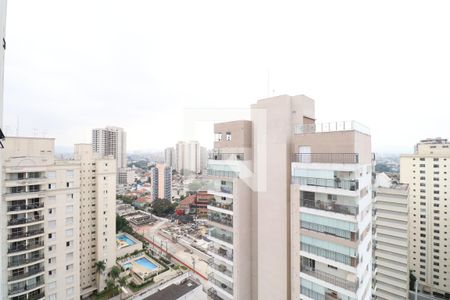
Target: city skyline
141,77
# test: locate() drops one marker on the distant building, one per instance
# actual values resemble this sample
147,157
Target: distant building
161,178
170,157
427,171
195,204
111,141
390,239
188,156
126,176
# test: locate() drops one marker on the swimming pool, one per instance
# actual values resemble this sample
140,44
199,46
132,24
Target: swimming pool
125,239
127,266
146,263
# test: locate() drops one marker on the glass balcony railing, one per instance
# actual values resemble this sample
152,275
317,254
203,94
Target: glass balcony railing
335,158
226,220
21,262
19,221
336,183
330,206
18,235
212,294
25,206
226,156
322,252
337,281
228,238
222,252
345,234
22,247
222,205
37,296
221,173
228,287
25,287
222,269
29,273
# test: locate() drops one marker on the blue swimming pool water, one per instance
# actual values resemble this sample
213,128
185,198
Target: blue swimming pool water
127,266
126,239
146,263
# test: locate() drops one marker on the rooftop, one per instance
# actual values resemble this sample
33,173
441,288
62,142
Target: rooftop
331,127
174,291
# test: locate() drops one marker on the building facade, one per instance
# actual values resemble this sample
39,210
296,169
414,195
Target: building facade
391,241
292,214
97,217
427,172
188,158
161,178
229,213
39,222
170,157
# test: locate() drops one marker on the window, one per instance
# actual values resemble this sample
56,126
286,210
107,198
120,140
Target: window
69,221
52,260
52,186
69,267
52,236
69,256
218,137
69,280
69,292
69,209
52,273
70,173
52,297
69,233
69,184
228,136
52,286
51,175
51,224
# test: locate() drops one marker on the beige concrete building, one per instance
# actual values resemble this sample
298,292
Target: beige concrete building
427,172
3,285
293,203
188,157
97,217
161,179
39,222
391,240
229,214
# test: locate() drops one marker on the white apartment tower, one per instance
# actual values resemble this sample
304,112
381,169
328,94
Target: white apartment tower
161,178
292,213
427,171
39,223
188,157
97,217
391,240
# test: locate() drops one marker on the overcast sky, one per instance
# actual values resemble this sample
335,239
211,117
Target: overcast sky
75,65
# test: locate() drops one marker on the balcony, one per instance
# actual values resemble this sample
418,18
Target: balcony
19,221
24,189
337,281
212,294
322,252
222,269
345,234
336,183
226,287
25,207
30,233
26,274
221,236
326,158
21,248
25,288
22,262
222,253
330,206
222,173
226,156
36,296
226,220
222,205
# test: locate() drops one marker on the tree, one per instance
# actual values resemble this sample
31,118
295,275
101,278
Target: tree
111,285
122,225
115,272
100,266
162,207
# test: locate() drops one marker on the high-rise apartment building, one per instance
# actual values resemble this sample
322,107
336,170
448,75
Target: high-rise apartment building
229,214
112,141
427,171
170,157
391,240
39,222
161,179
97,217
292,214
188,157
